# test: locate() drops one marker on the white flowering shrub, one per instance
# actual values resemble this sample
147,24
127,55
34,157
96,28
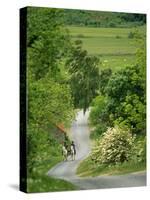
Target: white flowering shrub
115,146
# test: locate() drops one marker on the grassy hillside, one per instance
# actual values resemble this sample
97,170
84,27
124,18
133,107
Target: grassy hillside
41,182
112,45
87,169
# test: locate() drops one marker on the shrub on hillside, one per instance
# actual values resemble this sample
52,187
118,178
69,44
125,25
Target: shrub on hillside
98,131
112,24
131,35
115,146
80,36
139,152
134,34
118,36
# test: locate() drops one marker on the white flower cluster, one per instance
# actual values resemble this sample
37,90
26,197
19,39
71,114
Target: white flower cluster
115,146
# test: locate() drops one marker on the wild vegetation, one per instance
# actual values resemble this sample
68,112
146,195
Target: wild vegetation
103,19
67,70
121,102
49,96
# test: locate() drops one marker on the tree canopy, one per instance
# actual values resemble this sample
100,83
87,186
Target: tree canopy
84,79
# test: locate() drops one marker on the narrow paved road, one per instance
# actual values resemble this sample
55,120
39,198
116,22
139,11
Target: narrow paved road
67,170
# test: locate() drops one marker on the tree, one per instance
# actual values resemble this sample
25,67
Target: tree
98,110
126,98
47,40
49,96
104,78
98,116
134,114
41,20
49,102
84,76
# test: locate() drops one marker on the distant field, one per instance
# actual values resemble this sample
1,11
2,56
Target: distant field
112,45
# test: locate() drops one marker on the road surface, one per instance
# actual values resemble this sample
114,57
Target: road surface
67,169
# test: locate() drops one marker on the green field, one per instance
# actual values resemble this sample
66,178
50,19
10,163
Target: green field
112,45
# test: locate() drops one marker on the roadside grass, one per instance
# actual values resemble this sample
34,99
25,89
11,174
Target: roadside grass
44,183
88,169
111,45
41,182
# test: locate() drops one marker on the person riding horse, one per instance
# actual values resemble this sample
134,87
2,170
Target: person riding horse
73,150
66,151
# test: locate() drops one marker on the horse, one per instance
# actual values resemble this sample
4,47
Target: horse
64,153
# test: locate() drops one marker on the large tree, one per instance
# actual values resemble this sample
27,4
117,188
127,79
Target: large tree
84,76
47,41
126,97
49,96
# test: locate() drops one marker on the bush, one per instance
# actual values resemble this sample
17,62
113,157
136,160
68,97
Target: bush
41,146
139,153
134,34
131,35
98,131
97,110
80,36
112,25
118,36
115,146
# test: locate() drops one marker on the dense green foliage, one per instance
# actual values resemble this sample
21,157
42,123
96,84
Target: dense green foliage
98,116
124,92
126,99
49,101
103,19
49,96
39,24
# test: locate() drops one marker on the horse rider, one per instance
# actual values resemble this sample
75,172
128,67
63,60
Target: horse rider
74,147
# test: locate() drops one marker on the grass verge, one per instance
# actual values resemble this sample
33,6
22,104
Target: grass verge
39,181
88,168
